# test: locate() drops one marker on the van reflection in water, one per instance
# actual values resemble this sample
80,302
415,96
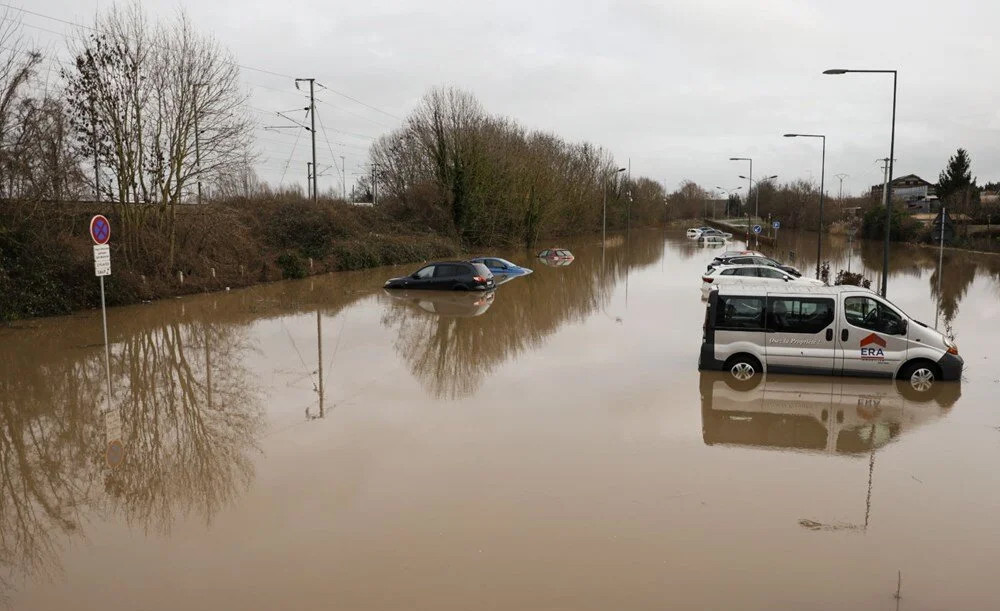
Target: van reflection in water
818,414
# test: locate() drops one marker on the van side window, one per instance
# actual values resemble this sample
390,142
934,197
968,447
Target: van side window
868,313
740,313
799,314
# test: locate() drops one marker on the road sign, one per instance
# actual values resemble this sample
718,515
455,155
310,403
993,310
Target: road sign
100,229
776,224
115,453
756,228
102,260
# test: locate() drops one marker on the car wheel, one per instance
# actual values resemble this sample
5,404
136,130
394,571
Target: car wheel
745,372
919,379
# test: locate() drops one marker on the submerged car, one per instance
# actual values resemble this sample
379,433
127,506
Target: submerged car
556,254
695,232
752,259
710,233
496,265
446,276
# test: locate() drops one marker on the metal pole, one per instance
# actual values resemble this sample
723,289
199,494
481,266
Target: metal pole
107,348
309,175
819,238
312,130
940,268
97,160
343,178
197,141
319,350
604,214
888,192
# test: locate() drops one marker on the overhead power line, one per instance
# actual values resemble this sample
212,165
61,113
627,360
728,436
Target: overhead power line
238,65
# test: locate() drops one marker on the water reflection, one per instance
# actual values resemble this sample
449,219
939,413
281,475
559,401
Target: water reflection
189,420
819,414
444,303
451,354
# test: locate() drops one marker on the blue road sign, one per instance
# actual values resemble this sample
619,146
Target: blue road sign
776,224
756,228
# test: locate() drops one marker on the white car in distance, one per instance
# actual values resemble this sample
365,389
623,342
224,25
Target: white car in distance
751,274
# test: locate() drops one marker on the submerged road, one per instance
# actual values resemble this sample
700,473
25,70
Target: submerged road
549,446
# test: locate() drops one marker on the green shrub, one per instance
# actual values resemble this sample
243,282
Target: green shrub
291,265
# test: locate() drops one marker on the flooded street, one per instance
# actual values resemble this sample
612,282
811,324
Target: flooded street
325,444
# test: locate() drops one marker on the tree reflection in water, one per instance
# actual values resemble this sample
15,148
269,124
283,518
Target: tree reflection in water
451,355
188,436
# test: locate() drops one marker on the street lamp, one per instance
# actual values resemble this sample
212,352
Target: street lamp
822,178
757,194
728,193
892,154
604,214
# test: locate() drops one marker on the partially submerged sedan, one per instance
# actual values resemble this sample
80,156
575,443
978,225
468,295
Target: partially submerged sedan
496,265
446,276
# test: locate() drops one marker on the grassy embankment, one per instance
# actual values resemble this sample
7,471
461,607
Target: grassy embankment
46,261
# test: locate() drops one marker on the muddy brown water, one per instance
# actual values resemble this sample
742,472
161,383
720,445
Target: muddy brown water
549,446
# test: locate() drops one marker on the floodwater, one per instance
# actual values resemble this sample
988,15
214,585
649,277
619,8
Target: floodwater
323,444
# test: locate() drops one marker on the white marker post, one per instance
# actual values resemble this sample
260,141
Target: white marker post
100,232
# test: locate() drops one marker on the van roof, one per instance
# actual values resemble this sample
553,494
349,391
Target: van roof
751,287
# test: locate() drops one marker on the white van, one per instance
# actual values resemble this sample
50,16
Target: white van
828,330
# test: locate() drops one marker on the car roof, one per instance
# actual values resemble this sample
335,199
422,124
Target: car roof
753,287
446,263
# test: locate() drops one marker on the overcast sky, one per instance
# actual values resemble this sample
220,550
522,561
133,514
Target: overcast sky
678,86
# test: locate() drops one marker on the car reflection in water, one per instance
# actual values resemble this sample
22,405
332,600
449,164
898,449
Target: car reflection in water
458,304
819,414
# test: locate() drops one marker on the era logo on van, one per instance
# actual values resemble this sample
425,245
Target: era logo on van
872,348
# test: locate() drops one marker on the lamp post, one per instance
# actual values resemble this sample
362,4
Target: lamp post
756,199
728,193
822,178
604,214
892,154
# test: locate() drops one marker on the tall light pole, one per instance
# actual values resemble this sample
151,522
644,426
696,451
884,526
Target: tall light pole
728,193
822,178
756,196
604,214
750,179
892,154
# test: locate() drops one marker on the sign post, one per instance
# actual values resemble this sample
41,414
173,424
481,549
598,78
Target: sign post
776,225
100,232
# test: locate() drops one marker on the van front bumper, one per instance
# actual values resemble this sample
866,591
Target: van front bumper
951,366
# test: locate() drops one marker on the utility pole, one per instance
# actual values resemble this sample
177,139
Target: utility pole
374,183
343,178
309,177
311,128
197,139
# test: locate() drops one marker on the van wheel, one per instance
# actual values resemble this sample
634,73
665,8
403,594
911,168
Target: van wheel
744,370
919,377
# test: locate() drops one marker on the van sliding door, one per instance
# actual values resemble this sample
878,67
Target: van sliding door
800,334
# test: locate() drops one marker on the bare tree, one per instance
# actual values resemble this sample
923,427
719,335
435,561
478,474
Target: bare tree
160,108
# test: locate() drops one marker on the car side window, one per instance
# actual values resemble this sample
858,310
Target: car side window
426,272
773,274
740,313
495,263
747,271
867,313
799,314
446,271
729,272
